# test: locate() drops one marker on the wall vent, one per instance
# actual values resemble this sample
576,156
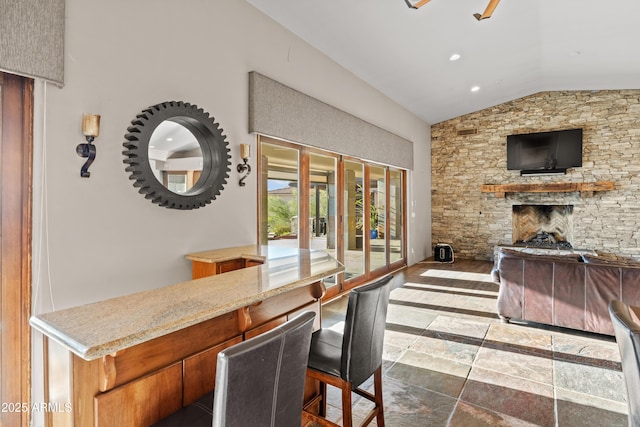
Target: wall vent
464,132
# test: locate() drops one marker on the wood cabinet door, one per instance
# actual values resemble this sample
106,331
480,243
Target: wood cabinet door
141,402
200,371
231,265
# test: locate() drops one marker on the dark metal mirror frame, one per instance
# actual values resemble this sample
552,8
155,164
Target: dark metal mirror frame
215,155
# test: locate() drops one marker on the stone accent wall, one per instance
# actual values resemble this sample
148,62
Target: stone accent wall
470,150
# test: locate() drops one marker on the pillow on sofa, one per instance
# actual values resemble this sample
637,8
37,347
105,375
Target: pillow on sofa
511,253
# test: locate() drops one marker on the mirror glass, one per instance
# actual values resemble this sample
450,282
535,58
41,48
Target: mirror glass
175,156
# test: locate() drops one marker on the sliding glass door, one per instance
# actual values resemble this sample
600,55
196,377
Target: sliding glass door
377,217
396,216
279,224
354,217
350,208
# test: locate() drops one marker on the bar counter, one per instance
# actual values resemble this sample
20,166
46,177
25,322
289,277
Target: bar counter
134,359
95,330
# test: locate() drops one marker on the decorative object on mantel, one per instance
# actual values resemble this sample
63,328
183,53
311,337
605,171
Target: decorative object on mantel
585,188
245,154
491,7
90,130
146,165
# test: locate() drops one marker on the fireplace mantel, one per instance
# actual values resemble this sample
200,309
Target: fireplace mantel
586,189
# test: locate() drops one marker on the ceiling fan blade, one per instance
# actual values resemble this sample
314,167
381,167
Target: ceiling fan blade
417,4
488,11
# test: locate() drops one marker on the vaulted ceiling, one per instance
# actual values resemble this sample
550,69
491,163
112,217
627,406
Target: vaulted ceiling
527,46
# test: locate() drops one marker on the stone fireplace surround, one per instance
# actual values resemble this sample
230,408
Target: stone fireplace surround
474,223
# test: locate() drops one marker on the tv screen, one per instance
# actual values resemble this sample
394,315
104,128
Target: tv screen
545,151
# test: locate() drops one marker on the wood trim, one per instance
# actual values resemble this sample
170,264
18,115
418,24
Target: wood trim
366,210
304,236
586,188
16,151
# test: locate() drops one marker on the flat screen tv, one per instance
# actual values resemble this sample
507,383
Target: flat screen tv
545,152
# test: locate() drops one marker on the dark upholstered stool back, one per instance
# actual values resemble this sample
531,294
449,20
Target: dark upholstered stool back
363,337
346,360
627,332
259,382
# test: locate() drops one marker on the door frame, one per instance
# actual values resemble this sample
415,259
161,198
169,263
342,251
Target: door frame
16,186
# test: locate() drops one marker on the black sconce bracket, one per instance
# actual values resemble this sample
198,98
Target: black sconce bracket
88,151
244,167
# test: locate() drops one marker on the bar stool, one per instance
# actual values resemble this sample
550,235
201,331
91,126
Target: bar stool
259,382
627,332
346,360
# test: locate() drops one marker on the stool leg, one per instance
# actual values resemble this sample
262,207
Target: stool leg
347,417
377,388
322,411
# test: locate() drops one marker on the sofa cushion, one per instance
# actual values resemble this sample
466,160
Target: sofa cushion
511,253
610,259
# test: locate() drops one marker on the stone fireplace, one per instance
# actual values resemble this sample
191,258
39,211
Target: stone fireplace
545,226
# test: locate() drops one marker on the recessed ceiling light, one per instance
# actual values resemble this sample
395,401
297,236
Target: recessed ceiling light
169,139
454,57
475,88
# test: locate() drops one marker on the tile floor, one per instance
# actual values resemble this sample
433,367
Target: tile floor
449,361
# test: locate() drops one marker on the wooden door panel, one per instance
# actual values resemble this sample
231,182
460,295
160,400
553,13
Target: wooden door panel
16,142
141,402
200,371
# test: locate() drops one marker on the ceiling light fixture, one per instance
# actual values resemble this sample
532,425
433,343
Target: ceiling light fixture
454,57
475,88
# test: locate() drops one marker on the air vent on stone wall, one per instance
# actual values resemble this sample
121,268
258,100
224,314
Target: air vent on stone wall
464,132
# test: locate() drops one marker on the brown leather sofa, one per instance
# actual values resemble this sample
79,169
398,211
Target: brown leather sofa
571,291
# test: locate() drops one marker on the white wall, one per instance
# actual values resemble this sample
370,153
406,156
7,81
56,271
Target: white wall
96,237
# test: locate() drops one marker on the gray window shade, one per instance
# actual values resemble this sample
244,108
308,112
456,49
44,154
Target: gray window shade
280,111
32,38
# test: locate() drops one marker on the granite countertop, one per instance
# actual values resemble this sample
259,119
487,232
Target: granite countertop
95,330
253,252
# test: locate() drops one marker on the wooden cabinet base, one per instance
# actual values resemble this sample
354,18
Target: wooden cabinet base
140,385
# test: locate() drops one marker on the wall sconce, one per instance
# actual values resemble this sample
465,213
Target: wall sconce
90,129
245,154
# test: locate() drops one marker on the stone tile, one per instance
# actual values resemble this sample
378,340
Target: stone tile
519,338
433,373
452,338
399,339
595,351
467,415
506,361
578,409
391,353
596,381
410,317
409,406
509,395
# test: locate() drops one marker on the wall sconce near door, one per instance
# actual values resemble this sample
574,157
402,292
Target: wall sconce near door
90,129
245,154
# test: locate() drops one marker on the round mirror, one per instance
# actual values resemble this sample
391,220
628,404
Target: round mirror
177,155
